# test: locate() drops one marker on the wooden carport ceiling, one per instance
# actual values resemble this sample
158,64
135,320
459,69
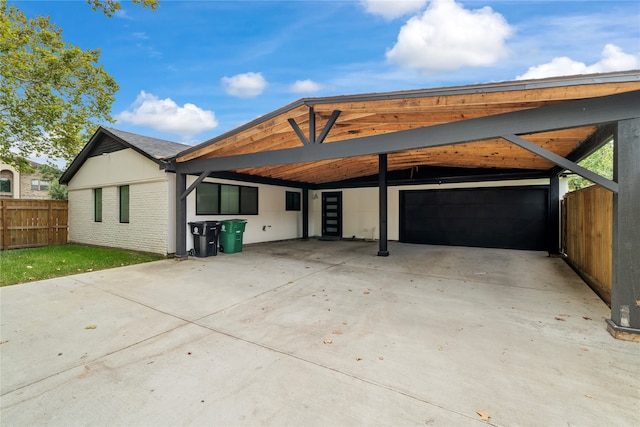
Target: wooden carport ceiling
375,114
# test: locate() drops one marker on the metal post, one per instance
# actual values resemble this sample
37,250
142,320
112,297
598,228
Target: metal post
181,216
625,287
305,213
312,126
554,215
382,190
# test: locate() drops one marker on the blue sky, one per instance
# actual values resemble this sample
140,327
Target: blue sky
195,69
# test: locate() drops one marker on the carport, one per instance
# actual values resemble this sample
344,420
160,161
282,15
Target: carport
512,130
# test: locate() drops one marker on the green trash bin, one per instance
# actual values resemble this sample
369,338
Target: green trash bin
231,233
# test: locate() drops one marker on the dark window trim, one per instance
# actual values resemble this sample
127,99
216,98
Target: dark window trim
292,201
218,209
124,219
97,205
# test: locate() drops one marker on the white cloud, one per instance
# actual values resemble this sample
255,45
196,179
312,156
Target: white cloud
167,116
391,9
448,37
612,59
122,14
305,86
247,85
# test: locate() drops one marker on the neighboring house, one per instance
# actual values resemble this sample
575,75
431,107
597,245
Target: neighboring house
22,185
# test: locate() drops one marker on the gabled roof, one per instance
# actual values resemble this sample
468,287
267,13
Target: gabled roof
107,140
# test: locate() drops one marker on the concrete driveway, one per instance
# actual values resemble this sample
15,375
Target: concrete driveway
317,333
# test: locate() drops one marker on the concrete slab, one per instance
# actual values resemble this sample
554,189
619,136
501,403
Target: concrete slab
318,333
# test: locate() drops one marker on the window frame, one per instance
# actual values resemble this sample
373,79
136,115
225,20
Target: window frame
292,201
7,182
238,193
97,205
124,206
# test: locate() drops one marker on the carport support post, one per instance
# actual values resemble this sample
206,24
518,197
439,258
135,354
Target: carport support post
305,213
554,215
625,287
181,216
382,190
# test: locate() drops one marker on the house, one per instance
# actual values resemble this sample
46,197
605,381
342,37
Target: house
475,165
120,193
22,185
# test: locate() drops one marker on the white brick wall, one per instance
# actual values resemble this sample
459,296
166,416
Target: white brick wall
147,227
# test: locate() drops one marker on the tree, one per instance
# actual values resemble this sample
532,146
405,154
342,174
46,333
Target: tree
600,162
53,94
110,7
52,174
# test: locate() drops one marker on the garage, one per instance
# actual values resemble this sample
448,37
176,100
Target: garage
504,217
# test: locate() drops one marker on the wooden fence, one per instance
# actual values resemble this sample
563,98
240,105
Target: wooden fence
31,223
587,226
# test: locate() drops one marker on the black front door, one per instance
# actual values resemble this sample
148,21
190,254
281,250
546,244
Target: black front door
332,214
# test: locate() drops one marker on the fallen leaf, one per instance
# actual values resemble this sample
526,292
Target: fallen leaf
586,318
89,269
337,332
380,358
484,415
366,292
358,359
90,327
584,349
4,342
561,319
327,342
344,323
589,396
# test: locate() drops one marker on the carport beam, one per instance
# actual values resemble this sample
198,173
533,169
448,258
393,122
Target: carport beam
625,286
382,190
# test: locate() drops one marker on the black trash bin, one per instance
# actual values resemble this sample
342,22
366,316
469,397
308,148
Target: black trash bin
205,237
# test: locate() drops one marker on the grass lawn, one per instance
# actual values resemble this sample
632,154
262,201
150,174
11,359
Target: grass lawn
26,265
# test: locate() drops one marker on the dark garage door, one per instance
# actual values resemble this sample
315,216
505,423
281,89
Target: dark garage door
504,217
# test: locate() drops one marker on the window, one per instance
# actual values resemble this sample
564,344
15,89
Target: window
39,185
124,203
97,204
225,199
5,185
292,201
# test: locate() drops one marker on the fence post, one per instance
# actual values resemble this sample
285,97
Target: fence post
50,235
5,226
